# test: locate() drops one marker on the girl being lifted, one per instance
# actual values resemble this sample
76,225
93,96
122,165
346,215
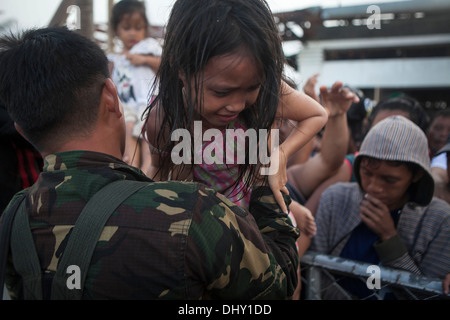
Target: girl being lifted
222,64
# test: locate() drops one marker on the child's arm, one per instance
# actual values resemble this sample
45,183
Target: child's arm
336,101
149,60
311,117
312,174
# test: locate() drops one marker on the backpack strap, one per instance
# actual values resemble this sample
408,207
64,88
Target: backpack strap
87,231
80,247
5,237
26,260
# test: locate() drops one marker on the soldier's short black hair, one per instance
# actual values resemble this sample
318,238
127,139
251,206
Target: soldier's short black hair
51,81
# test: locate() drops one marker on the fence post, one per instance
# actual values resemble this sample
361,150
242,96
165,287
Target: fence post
313,283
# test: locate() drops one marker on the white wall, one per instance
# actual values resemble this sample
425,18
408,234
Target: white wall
377,73
389,73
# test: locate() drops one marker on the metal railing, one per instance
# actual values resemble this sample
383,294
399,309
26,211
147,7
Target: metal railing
322,277
322,274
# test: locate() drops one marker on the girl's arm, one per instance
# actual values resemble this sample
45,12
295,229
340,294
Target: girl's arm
311,117
149,60
326,163
294,105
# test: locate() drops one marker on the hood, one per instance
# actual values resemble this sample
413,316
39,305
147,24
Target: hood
399,139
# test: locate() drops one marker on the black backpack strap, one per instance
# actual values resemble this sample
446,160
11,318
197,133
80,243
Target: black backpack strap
5,237
85,235
80,247
26,260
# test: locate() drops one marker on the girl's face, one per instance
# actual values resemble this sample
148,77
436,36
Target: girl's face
231,83
132,29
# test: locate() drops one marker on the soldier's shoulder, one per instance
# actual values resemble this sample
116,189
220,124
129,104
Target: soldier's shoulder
180,187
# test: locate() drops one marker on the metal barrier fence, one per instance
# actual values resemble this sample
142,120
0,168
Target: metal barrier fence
322,278
322,274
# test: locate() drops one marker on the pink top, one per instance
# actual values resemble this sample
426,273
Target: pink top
214,170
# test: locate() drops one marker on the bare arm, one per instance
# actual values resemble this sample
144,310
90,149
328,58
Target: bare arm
304,153
441,184
308,176
342,175
439,175
310,117
148,60
308,113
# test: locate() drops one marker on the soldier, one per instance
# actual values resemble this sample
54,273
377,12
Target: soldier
168,240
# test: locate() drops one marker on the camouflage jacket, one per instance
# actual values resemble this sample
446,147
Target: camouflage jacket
170,240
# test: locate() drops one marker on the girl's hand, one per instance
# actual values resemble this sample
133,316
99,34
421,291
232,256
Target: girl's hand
137,59
145,60
376,215
278,177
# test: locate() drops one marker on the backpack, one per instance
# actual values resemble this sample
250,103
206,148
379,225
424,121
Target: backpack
15,231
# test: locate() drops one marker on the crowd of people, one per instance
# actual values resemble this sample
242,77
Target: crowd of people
375,189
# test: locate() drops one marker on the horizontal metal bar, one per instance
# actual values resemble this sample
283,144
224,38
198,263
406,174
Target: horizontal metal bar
357,268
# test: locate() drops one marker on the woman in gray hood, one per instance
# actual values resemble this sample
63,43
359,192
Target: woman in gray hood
389,216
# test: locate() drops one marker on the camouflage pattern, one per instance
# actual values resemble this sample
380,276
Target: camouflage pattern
170,240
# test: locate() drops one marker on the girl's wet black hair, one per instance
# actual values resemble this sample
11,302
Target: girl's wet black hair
199,30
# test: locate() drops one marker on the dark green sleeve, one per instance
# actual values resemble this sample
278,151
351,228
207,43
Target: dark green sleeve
390,249
238,255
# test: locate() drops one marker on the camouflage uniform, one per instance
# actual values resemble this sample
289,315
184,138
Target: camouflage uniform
170,240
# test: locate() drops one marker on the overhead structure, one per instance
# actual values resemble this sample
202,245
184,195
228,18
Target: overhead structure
383,49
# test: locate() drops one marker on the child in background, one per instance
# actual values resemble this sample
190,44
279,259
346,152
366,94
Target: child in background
133,72
223,66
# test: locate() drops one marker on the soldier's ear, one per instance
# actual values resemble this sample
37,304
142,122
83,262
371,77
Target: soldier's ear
110,98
